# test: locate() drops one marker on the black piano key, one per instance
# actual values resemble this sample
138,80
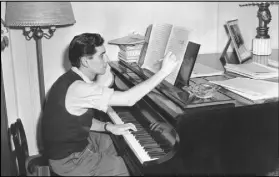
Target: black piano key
149,144
144,142
155,154
153,149
142,134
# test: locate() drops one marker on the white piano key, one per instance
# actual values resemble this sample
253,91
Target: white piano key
136,147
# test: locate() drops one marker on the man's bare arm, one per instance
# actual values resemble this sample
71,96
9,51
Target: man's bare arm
134,94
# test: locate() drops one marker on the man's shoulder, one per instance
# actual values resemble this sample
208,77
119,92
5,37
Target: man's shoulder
69,75
82,87
65,79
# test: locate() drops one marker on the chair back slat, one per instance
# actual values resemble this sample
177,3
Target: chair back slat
20,145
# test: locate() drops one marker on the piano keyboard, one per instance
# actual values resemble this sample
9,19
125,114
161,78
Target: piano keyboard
141,142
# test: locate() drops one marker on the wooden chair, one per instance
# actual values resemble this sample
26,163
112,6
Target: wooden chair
27,165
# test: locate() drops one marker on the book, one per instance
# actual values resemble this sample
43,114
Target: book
130,47
127,60
201,70
161,39
252,89
252,70
131,53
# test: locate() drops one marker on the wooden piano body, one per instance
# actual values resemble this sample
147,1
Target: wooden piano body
212,139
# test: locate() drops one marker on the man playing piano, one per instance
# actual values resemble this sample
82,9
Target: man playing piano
74,141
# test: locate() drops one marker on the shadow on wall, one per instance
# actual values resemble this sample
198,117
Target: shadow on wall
66,65
66,62
39,130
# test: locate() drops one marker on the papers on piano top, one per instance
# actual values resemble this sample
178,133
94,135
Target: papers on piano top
201,70
253,70
255,90
273,63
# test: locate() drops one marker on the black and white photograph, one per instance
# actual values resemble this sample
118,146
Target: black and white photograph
243,54
139,88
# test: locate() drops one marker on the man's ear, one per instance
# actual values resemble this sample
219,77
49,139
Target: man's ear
83,62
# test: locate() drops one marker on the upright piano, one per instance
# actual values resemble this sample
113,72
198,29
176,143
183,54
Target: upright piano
178,135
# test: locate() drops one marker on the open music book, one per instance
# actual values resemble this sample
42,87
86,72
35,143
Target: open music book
163,38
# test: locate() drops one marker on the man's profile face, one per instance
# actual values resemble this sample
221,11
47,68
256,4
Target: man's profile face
98,62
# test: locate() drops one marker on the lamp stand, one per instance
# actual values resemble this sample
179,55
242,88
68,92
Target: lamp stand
262,42
261,46
40,70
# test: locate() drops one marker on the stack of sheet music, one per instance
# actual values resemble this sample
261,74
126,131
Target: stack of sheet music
130,47
252,70
129,53
255,90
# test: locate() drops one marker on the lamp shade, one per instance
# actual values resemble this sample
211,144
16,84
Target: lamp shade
39,14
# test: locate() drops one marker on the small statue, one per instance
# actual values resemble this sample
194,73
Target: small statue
264,17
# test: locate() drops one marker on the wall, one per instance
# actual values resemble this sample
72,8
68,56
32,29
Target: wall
115,19
21,83
7,66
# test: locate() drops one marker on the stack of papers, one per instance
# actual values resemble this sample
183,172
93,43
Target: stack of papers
253,70
252,89
201,70
273,63
130,47
131,39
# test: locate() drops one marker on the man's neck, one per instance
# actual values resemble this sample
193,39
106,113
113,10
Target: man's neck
85,73
88,74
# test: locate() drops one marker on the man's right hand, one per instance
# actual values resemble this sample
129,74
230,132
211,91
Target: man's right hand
169,63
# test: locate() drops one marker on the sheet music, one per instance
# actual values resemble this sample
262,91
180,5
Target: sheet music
156,47
253,70
251,88
177,44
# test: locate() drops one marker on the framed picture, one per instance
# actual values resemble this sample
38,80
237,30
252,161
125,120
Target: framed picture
237,41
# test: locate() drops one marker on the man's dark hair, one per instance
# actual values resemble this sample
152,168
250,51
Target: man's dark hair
82,45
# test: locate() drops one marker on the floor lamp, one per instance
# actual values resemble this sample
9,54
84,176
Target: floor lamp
38,20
